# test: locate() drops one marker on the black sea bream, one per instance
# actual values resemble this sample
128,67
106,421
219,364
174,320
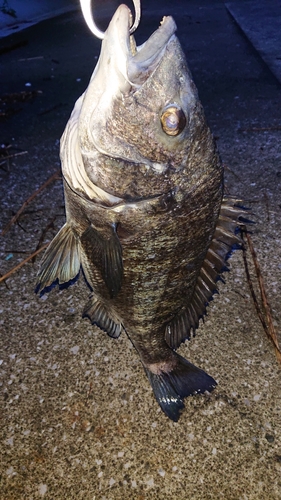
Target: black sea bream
145,215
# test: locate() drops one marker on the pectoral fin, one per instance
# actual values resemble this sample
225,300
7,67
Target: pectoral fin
61,261
103,317
106,255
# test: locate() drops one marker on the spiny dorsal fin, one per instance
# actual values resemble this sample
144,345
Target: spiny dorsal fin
103,316
61,261
106,255
224,239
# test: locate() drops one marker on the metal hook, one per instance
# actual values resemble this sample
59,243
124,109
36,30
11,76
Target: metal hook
87,13
137,7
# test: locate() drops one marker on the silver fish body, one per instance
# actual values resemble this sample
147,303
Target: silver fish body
145,215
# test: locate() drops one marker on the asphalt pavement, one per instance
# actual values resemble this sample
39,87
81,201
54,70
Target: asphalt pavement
79,420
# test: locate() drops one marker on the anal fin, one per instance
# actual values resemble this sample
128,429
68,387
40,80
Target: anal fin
61,261
103,316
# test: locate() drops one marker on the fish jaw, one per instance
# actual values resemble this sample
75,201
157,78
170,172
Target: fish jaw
122,65
124,149
122,68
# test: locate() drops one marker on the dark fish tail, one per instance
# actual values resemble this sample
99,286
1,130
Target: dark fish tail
171,387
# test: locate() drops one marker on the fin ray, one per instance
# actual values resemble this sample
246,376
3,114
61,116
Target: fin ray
223,242
61,261
170,388
100,315
106,254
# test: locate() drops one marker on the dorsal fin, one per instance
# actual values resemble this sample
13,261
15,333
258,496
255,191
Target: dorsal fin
224,239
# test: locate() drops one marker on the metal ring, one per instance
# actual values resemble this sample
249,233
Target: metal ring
88,16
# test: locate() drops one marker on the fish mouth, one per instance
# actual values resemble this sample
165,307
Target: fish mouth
136,63
121,70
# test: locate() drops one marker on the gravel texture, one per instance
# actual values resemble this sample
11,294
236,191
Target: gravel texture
79,420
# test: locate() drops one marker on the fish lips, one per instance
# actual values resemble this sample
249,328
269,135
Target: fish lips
137,63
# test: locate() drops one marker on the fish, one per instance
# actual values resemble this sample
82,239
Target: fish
147,221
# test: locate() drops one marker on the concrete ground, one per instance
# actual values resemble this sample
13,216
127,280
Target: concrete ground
16,15
78,418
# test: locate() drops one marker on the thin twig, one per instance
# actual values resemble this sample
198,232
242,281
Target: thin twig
266,317
53,177
254,297
271,329
267,205
260,129
43,234
15,251
56,106
232,172
31,58
13,155
18,266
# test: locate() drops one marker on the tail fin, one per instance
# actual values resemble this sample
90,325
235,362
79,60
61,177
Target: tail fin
170,388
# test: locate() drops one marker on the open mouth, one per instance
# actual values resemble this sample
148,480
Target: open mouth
122,69
140,61
148,55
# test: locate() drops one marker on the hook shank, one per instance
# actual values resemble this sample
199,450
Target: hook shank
88,16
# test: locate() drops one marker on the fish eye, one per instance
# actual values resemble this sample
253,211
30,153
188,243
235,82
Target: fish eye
173,119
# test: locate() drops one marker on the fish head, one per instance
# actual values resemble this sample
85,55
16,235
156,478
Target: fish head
141,118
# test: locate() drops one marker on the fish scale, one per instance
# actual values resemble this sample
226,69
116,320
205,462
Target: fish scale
145,215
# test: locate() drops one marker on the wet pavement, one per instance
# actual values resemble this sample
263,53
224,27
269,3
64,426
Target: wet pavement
16,15
79,420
